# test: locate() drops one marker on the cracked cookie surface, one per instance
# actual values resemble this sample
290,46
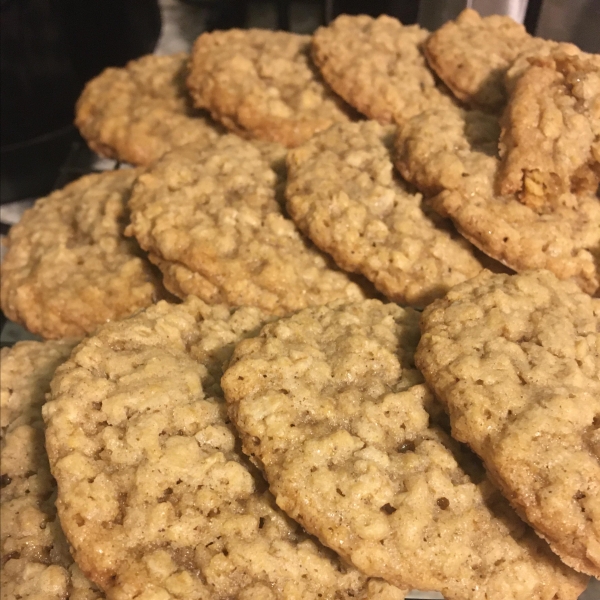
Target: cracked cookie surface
516,359
35,562
343,193
154,495
330,404
69,266
137,113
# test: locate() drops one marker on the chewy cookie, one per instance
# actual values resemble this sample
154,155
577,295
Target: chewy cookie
452,153
262,84
154,496
212,221
137,113
472,54
550,142
35,562
343,193
377,66
516,359
330,404
69,267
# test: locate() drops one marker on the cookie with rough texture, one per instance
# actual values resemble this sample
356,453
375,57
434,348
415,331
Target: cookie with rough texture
516,359
262,84
550,142
139,112
330,404
377,66
343,193
153,494
212,221
452,153
35,562
69,267
472,53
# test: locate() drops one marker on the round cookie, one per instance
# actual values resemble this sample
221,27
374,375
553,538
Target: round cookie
343,193
453,153
330,404
212,221
377,66
35,558
154,496
550,142
516,359
472,54
262,84
137,113
69,267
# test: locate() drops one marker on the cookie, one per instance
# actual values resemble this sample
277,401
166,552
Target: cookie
36,562
330,404
212,221
342,192
262,84
550,142
452,153
69,267
472,53
137,113
153,494
377,66
516,359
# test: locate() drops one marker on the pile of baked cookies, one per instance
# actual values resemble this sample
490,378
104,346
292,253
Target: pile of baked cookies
240,396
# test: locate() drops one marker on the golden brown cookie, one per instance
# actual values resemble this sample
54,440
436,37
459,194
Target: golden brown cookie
213,222
154,495
377,66
262,84
472,54
550,142
342,192
137,113
452,153
35,559
69,267
516,360
330,404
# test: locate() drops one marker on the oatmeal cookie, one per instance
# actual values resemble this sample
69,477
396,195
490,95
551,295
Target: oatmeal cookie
516,359
262,84
550,142
472,54
330,404
377,66
212,221
137,113
343,193
69,267
35,562
153,494
452,153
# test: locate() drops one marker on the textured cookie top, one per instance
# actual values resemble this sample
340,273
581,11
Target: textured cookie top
262,84
377,66
453,152
550,142
35,558
69,267
213,222
342,192
517,361
330,403
472,53
139,112
154,496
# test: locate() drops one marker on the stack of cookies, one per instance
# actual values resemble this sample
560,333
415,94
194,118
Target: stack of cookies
336,334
